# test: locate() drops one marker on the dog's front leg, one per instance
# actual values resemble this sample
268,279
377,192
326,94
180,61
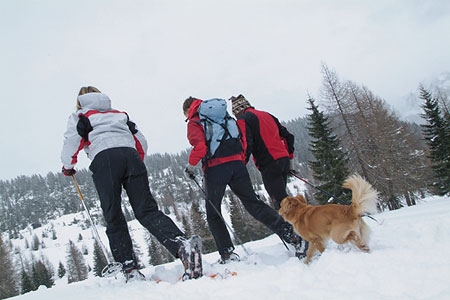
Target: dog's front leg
314,246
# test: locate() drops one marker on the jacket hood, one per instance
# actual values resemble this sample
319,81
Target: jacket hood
97,101
194,108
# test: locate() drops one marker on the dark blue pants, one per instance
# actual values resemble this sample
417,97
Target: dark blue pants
235,175
274,176
113,169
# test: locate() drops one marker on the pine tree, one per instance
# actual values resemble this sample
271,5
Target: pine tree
35,243
100,261
54,234
41,275
26,282
76,265
200,228
157,252
246,227
7,273
61,270
437,135
330,164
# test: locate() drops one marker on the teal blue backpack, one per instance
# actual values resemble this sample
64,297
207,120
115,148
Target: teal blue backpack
221,130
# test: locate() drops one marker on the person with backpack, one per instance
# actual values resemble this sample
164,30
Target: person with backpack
217,144
117,150
271,145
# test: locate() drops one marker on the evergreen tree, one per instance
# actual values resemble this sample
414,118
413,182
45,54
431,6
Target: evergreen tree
157,252
330,164
100,261
186,226
61,270
7,273
41,275
53,233
437,134
245,226
35,243
76,265
200,228
155,258
26,282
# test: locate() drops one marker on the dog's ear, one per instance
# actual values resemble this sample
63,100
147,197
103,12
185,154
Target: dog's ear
301,199
290,203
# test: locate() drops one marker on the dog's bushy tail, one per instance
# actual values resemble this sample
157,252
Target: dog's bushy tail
364,196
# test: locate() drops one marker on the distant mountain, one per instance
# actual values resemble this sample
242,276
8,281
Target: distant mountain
412,104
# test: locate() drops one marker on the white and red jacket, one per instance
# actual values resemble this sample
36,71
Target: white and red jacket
97,127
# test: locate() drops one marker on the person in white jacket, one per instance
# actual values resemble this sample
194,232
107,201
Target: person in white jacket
117,150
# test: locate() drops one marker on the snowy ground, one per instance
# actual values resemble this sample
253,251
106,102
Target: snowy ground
409,260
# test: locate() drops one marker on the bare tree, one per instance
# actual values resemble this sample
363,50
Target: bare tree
379,145
335,94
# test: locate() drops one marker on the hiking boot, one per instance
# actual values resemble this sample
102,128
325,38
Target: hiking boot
134,275
228,257
131,272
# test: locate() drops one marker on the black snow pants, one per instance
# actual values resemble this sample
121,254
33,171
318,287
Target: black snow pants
274,176
235,175
113,169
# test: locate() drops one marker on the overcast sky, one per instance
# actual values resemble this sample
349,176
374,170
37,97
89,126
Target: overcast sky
148,56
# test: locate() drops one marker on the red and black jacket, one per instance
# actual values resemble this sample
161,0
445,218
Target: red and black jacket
266,139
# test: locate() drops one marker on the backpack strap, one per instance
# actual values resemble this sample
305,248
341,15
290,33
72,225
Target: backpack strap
131,125
84,127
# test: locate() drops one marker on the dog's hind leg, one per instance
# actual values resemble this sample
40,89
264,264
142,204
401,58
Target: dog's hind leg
355,239
340,233
365,232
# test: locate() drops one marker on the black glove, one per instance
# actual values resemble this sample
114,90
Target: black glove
189,172
68,172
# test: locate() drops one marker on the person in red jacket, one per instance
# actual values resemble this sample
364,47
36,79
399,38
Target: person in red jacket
229,170
270,143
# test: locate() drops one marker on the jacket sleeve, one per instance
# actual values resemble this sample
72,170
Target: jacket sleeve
196,138
242,125
287,137
73,143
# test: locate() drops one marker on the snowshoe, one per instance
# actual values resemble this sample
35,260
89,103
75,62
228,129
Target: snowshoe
190,254
112,269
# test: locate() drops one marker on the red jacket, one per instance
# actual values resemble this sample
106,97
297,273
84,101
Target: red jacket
266,138
196,137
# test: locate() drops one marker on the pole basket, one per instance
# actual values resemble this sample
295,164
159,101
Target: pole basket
112,269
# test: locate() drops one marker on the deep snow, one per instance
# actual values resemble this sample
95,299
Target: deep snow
408,260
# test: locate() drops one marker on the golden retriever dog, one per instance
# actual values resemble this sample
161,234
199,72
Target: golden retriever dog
342,223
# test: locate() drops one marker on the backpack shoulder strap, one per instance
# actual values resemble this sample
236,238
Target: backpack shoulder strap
84,127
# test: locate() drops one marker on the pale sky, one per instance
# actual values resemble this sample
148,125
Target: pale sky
148,56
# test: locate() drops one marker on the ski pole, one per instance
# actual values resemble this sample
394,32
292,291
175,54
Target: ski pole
294,173
218,212
112,268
